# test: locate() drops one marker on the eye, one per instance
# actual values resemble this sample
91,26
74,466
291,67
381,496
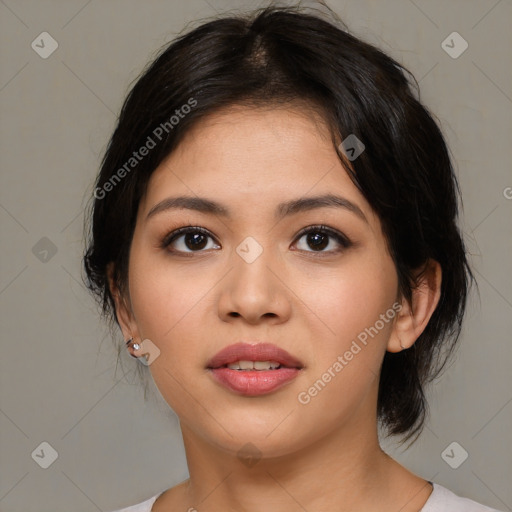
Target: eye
193,238
317,237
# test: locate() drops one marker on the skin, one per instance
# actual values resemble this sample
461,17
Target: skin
319,456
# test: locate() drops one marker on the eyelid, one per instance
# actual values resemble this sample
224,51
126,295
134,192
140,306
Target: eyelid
183,231
334,233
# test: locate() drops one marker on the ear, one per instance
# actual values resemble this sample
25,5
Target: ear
414,317
124,312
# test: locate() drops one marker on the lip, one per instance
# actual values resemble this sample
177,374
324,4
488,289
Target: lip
253,352
253,382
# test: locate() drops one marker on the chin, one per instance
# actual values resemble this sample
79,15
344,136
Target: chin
267,436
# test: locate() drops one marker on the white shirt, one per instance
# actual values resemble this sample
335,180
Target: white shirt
440,500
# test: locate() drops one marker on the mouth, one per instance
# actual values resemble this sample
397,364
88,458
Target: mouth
253,369
253,356
245,366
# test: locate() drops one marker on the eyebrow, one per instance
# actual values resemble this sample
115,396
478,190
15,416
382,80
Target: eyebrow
285,209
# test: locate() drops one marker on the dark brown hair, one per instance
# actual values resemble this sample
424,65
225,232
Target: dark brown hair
281,55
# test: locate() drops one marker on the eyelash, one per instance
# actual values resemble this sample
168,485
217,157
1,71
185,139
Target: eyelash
341,239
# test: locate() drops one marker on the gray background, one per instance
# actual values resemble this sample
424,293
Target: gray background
59,379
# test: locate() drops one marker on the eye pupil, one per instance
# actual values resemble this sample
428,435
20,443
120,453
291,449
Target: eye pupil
318,240
198,240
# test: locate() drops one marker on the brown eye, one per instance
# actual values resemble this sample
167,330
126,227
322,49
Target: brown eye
319,237
188,239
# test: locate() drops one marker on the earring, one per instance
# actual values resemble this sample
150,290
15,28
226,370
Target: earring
135,346
403,348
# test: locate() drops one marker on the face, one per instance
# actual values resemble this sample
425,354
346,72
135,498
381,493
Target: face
255,274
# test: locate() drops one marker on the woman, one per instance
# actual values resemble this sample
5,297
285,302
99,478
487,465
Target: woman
274,231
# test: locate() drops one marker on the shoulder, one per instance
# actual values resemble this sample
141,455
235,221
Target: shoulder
444,500
145,506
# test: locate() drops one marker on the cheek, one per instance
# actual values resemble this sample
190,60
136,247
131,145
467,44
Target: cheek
347,362
163,296
350,301
166,303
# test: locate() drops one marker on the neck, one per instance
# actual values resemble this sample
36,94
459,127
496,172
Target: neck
342,471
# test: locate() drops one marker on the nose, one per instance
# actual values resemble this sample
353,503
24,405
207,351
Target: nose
255,291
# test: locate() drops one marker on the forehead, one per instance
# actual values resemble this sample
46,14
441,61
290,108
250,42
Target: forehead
254,157
242,137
